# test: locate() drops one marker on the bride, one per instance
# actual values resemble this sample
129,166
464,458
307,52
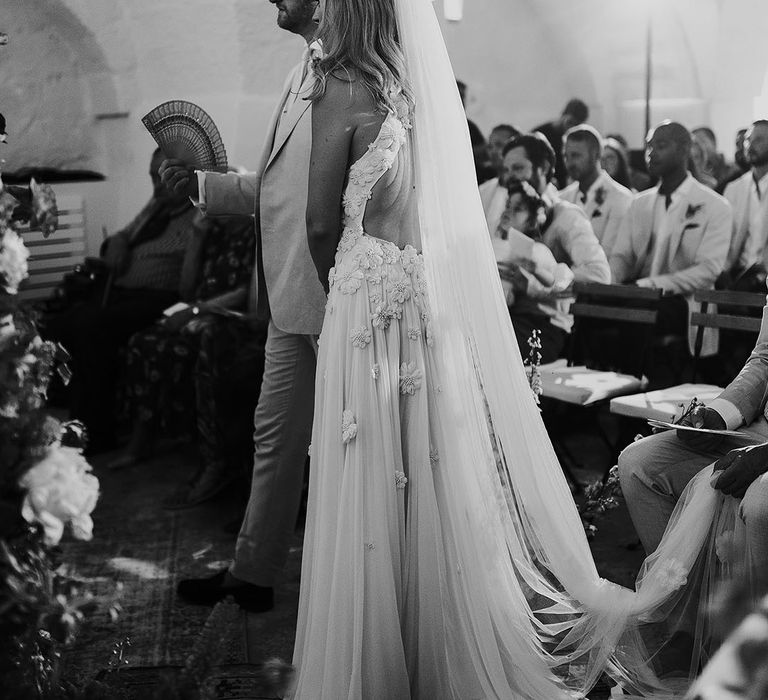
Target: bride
443,554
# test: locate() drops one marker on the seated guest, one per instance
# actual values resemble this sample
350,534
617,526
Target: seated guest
526,266
714,165
740,164
152,265
160,361
746,263
574,113
654,471
597,194
675,236
698,165
565,230
614,162
638,179
493,193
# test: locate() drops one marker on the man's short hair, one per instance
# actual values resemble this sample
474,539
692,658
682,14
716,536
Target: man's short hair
577,109
511,130
584,133
537,149
760,122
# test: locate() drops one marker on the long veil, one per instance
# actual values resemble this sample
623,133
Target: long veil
543,623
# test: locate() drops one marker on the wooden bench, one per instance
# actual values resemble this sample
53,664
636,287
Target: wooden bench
53,257
736,312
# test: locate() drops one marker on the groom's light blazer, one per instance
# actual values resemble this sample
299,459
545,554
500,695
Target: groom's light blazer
743,401
285,283
699,237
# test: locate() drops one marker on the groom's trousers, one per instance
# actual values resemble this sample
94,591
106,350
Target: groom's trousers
654,472
282,432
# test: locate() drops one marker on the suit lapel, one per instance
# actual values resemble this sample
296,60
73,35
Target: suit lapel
286,124
274,121
682,220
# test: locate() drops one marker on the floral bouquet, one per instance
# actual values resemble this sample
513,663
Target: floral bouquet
46,485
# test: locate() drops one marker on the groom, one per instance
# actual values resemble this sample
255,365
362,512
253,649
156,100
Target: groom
286,290
654,471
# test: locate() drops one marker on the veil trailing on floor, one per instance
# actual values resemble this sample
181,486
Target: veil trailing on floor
524,568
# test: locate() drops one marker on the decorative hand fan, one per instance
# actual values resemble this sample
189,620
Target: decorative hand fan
185,131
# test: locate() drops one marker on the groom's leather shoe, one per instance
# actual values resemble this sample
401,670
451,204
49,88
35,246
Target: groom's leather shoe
209,591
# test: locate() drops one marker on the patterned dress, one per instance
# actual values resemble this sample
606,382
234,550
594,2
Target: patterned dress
161,363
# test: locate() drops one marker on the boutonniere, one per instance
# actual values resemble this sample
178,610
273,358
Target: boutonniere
692,210
599,196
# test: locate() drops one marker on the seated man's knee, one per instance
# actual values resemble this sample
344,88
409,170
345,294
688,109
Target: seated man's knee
632,462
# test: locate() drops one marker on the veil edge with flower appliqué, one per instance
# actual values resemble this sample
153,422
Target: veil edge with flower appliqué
507,480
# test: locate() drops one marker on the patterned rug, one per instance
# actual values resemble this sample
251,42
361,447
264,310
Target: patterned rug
144,550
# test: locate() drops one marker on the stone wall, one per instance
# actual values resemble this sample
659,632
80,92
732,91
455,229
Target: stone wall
77,75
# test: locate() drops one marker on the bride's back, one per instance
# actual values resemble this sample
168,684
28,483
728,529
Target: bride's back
390,212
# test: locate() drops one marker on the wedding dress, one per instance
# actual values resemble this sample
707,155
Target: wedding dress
444,558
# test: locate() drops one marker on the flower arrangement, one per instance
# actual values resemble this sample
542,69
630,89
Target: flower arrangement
532,365
599,498
46,485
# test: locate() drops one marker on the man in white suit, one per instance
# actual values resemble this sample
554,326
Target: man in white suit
749,200
674,236
600,197
654,471
285,289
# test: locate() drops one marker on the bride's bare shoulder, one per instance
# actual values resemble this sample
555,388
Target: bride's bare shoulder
345,92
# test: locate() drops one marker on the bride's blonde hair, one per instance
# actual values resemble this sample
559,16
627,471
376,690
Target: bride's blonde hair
362,35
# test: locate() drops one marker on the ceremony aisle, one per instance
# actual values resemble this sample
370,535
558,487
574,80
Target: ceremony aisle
147,549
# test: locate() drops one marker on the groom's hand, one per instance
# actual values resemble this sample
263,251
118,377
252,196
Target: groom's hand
178,177
739,468
704,417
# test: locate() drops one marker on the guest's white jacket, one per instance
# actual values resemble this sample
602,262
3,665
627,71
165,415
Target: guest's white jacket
572,241
698,246
494,199
606,205
285,284
737,193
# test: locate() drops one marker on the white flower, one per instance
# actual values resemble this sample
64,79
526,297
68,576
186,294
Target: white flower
671,575
399,291
371,258
349,282
348,239
348,426
60,490
13,261
408,258
410,378
400,480
414,333
383,316
375,371
391,253
360,337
